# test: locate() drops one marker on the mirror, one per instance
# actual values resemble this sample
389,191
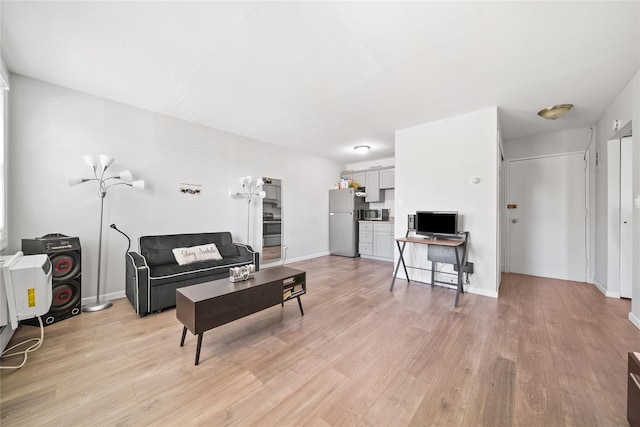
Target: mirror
272,220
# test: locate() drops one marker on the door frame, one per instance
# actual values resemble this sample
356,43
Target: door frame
615,247
586,207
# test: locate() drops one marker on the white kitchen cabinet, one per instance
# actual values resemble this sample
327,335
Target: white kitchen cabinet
387,179
374,194
359,177
383,240
365,248
376,240
365,238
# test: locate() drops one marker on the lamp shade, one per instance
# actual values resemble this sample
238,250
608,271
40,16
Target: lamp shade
74,180
106,161
125,176
263,194
244,180
90,161
259,182
232,194
138,185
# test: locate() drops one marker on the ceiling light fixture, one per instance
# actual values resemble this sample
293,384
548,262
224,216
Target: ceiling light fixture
555,111
362,149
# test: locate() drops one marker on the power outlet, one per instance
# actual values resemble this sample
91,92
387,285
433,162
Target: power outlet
466,268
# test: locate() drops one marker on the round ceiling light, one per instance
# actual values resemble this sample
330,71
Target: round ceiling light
362,149
555,111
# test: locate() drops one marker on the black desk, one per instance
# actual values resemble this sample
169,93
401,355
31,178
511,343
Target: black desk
448,252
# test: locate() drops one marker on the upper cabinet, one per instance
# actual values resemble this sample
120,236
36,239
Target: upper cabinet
387,178
374,180
374,194
359,177
381,178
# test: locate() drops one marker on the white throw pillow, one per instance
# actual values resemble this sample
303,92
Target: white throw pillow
196,253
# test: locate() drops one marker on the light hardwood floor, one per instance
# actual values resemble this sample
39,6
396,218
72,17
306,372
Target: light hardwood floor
546,353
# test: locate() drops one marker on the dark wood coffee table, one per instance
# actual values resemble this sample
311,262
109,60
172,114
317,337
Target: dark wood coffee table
211,304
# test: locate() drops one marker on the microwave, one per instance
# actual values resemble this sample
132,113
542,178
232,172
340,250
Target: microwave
373,214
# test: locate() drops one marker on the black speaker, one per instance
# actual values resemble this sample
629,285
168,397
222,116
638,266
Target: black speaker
65,256
411,222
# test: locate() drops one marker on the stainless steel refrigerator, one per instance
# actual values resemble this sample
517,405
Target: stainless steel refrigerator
343,221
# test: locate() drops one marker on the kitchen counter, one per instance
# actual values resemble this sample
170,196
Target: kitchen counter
375,239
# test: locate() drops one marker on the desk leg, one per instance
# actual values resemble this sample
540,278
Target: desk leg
459,289
300,305
433,273
400,260
198,348
184,334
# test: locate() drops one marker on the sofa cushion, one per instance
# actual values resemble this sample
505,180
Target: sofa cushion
168,273
156,256
196,254
228,250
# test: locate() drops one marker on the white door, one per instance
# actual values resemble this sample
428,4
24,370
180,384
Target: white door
626,212
547,217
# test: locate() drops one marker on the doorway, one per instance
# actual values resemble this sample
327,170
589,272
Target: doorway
547,217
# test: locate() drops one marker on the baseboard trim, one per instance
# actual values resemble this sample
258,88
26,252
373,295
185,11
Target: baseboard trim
290,260
483,292
634,319
105,297
607,293
376,258
308,257
600,287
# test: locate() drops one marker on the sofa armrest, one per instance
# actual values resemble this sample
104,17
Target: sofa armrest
137,282
247,250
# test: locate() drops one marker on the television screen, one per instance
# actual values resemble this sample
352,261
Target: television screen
429,223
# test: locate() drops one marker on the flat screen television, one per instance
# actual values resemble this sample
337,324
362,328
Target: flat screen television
430,223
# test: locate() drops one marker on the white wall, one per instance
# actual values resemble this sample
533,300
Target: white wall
435,163
51,128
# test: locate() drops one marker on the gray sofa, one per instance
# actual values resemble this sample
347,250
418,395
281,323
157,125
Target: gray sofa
153,275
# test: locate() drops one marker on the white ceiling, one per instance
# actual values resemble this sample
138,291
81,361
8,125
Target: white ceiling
322,77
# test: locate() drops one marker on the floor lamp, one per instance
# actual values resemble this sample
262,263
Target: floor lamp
250,189
104,183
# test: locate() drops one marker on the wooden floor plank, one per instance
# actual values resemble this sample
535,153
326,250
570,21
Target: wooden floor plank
547,352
